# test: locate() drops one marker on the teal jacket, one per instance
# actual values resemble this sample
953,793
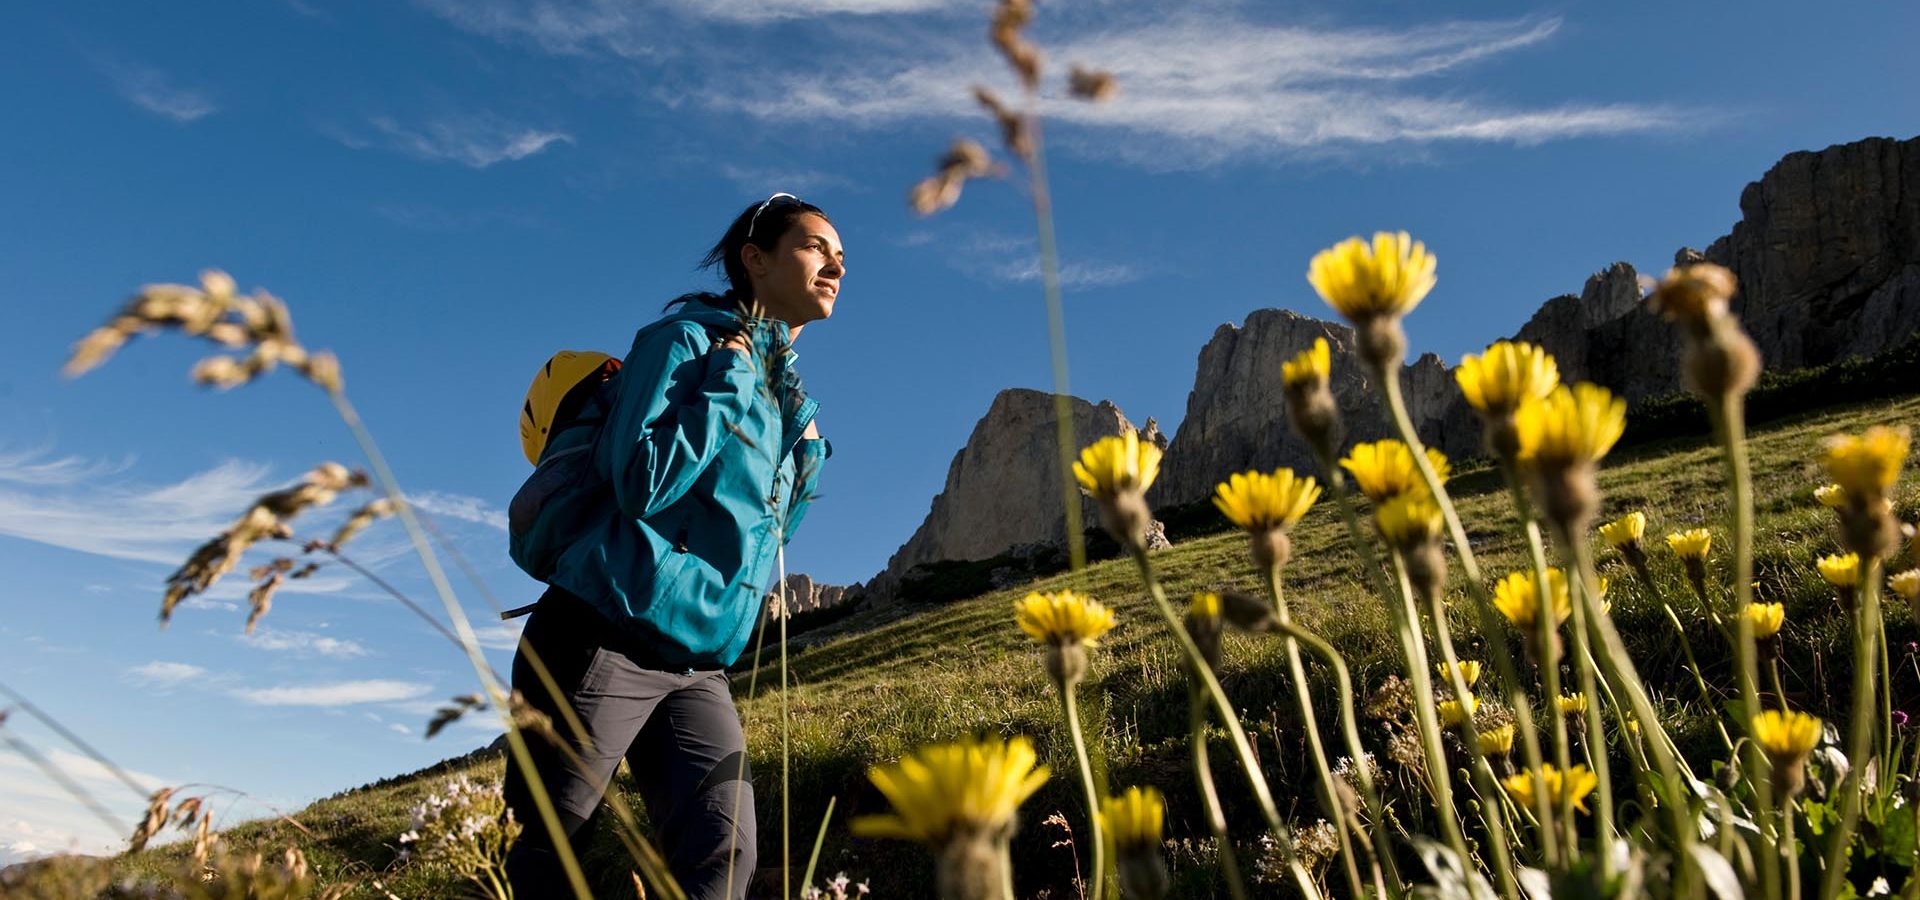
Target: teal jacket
697,475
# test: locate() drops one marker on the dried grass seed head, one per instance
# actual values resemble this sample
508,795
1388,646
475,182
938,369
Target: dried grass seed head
1092,85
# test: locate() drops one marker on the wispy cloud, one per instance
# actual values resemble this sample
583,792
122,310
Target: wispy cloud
165,674
333,694
1007,259
42,819
1201,90
157,92
459,506
1072,275
757,180
125,520
302,643
33,467
476,140
646,31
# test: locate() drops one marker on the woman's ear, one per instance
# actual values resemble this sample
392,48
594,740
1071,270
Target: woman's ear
754,259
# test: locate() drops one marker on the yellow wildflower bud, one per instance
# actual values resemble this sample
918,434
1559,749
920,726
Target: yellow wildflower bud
1132,823
1571,425
1787,738
1455,713
1496,382
1385,469
1831,496
1409,520
1517,596
1469,672
1692,544
1203,623
1842,570
1312,364
1117,471
1866,465
1766,619
1068,624
1264,506
1497,741
1361,281
1373,286
1625,530
948,791
1568,789
1907,585
1574,704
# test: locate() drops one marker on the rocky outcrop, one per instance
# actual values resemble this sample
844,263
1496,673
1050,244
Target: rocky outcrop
1236,413
803,595
1003,488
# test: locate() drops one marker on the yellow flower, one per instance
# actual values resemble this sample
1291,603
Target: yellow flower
1363,282
1865,465
1133,820
1788,736
1509,372
1563,790
942,790
1312,364
1600,595
1205,605
1842,570
1118,464
1385,469
1570,426
1691,544
1625,530
1517,596
1062,618
1907,585
1497,741
1831,496
1469,672
1409,520
1257,501
1766,618
1454,713
1574,704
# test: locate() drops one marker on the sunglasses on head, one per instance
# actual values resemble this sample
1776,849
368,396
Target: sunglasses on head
755,221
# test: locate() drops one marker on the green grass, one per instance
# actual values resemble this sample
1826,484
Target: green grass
876,685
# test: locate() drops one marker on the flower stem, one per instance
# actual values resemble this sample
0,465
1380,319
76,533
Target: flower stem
1329,794
1209,795
1586,607
1439,778
1349,724
1686,647
1729,425
1056,340
1547,658
1866,625
1224,707
495,693
1071,708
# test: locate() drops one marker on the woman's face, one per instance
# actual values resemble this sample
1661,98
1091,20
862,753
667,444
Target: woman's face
798,280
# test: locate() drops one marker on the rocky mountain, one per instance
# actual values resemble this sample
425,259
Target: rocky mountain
1003,487
1827,251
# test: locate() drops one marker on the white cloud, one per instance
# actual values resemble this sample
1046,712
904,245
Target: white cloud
502,636
302,643
42,818
761,180
398,728
1008,259
1072,275
165,674
475,140
32,467
341,693
459,506
121,520
157,92
1201,90
645,31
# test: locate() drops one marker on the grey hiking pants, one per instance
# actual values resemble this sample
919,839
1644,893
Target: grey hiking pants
679,733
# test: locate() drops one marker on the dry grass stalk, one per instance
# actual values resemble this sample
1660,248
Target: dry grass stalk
1009,19
965,159
267,518
452,712
258,323
1093,85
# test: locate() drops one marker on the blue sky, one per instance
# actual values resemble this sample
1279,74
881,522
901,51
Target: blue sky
445,192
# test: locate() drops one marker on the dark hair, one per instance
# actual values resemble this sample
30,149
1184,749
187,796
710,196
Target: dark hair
768,221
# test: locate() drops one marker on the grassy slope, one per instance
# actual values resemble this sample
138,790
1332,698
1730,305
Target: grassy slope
870,695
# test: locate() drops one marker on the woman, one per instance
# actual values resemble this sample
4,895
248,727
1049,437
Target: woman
657,554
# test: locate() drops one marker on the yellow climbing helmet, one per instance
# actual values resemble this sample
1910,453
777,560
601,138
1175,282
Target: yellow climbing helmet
567,371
